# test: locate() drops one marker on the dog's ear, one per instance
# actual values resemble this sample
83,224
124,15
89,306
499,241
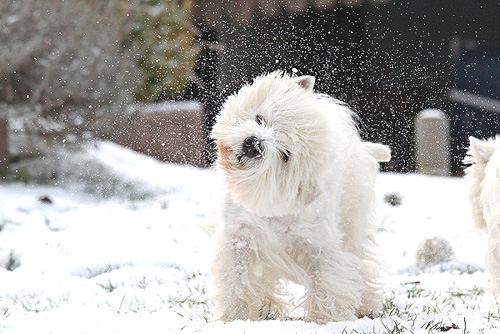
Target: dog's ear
306,81
480,151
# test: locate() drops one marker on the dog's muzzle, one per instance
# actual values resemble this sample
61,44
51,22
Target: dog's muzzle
252,148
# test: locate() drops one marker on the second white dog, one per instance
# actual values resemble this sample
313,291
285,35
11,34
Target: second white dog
483,178
299,205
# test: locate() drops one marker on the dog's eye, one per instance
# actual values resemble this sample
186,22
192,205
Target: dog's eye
260,120
285,155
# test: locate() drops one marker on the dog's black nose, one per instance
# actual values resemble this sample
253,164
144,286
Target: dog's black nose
252,147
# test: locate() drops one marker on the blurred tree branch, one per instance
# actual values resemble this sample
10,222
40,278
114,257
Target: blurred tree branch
60,61
69,68
58,52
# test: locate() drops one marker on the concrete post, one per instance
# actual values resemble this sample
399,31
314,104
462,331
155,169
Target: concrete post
432,135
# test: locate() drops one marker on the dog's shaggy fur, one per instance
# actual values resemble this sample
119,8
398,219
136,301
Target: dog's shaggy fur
483,179
299,205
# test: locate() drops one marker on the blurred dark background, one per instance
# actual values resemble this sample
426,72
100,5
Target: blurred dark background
387,59
63,81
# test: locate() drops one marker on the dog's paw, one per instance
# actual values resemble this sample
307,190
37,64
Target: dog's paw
274,309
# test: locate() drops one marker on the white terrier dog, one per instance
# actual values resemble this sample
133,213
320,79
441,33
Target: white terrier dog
483,179
299,206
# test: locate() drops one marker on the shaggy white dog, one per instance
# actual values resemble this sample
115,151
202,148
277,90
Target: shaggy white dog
299,205
483,179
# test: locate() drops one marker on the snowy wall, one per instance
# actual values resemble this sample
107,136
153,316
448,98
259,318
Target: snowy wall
169,131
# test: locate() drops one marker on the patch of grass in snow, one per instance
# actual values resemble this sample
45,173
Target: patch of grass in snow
493,316
12,262
143,283
433,326
493,321
389,326
4,312
393,327
35,303
164,204
393,199
191,299
94,272
180,291
468,298
4,222
48,223
108,287
412,307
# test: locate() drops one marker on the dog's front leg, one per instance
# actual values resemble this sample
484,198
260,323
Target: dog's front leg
244,286
493,259
230,273
334,291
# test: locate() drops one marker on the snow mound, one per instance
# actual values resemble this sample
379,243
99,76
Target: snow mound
434,251
104,169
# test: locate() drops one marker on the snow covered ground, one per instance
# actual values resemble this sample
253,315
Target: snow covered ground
75,261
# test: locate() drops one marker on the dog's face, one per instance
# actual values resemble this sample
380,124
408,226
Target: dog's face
273,143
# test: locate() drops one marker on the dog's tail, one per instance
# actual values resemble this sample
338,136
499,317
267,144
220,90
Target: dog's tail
380,152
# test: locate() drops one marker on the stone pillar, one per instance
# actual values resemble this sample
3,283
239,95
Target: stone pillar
4,149
432,135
